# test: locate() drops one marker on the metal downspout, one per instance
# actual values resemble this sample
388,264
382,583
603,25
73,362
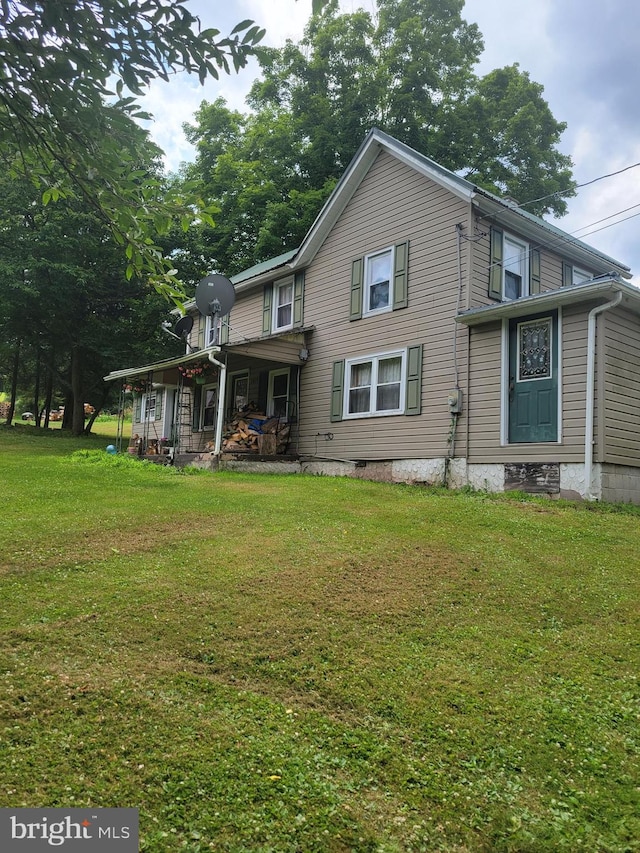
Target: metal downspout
591,372
222,387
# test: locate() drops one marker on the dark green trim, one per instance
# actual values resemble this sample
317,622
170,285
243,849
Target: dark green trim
413,395
535,281
400,266
357,274
298,299
267,303
337,390
495,263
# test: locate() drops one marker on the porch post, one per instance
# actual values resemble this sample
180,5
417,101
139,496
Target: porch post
222,386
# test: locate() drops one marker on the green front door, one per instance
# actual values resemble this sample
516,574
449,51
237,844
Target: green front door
533,379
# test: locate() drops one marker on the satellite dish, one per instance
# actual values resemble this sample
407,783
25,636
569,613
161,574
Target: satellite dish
183,326
215,296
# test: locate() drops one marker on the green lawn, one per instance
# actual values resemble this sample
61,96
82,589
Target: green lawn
264,663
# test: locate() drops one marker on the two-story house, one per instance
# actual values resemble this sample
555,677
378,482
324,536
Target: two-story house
425,331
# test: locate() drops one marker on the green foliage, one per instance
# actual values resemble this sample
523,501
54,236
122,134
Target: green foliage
58,61
256,669
65,300
408,69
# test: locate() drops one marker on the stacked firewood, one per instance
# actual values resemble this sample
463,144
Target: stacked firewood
255,432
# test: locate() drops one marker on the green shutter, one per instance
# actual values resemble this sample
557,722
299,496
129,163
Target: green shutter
567,274
413,398
534,272
298,300
224,330
202,325
495,261
400,264
337,390
159,401
137,417
357,272
267,302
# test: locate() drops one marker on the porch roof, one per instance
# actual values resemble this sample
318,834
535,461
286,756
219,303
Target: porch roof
157,366
289,347
603,287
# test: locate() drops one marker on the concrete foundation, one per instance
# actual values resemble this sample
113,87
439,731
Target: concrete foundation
612,483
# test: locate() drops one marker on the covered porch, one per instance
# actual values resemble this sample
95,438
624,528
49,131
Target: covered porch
237,400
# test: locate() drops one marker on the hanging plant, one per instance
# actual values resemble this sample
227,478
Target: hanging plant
197,370
140,386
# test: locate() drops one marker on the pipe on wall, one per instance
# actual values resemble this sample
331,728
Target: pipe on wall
222,388
591,372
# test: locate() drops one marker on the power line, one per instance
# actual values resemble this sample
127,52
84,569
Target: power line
611,224
579,186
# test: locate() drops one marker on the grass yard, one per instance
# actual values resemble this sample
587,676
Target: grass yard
282,664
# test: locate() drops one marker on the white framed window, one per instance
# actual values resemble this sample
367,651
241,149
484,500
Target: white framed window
239,391
149,406
212,331
378,282
283,305
515,268
578,276
208,406
375,385
278,393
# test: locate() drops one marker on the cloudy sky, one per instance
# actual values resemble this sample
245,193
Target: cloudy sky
585,54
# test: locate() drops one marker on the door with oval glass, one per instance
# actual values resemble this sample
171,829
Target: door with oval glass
533,379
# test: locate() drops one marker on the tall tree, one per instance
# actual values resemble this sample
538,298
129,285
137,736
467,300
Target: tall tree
409,70
58,62
66,306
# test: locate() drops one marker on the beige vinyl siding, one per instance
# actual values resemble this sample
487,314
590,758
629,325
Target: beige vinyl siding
550,264
485,389
618,398
245,319
392,204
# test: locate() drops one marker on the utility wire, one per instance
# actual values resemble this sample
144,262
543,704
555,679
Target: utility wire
579,186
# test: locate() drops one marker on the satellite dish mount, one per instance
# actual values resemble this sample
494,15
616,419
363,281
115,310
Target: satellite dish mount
215,297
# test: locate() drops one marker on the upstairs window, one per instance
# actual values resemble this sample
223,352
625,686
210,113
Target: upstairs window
283,305
379,282
212,331
574,275
515,282
514,270
378,271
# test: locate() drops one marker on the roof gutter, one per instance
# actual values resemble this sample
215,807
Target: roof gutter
591,372
133,372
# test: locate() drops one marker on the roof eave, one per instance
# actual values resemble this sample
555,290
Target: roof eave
533,227
551,299
375,142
